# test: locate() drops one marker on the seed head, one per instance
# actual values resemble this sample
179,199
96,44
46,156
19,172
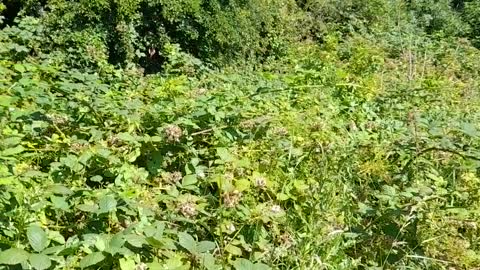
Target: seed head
199,92
231,199
78,147
173,133
141,266
281,131
57,119
248,124
173,177
261,182
188,209
113,140
276,209
231,228
286,240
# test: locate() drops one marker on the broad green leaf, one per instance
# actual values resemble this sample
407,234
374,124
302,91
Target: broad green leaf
91,259
56,236
19,67
87,207
115,244
37,238
101,243
40,261
205,246
60,203
189,180
12,151
96,178
127,264
107,204
60,189
126,137
244,264
6,101
13,256
208,261
224,155
136,240
186,241
234,250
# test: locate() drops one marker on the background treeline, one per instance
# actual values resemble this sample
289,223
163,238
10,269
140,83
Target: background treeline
139,32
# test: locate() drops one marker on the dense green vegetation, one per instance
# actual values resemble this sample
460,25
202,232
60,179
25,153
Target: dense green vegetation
239,134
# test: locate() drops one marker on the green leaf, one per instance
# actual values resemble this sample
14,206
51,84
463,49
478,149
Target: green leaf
60,189
205,246
224,155
189,180
107,204
208,261
91,259
60,203
13,256
244,264
40,261
136,240
126,137
96,178
127,264
87,207
19,67
6,101
186,241
234,250
37,238
12,151
56,236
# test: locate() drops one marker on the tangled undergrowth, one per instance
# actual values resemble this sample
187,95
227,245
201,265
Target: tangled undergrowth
358,153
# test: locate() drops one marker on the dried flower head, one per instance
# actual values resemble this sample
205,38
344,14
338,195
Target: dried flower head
199,92
280,131
286,240
188,209
232,199
261,182
231,228
352,126
57,119
173,133
247,124
172,178
229,176
78,147
113,140
276,209
141,266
